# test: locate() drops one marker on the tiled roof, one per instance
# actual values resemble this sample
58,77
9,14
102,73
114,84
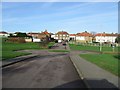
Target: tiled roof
72,34
45,32
106,34
62,32
84,34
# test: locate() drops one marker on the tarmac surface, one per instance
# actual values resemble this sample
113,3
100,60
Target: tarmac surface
58,70
47,70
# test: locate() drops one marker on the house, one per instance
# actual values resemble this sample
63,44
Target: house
34,37
72,37
61,35
105,37
53,36
84,37
4,34
44,36
33,34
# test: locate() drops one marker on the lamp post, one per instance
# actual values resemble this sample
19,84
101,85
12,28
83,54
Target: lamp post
113,46
101,43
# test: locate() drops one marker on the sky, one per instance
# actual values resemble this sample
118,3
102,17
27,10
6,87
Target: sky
73,17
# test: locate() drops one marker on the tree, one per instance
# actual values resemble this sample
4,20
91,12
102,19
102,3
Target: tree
21,35
117,40
11,35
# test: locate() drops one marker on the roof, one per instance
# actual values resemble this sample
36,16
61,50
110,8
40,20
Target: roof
106,34
3,32
72,34
45,32
62,32
84,34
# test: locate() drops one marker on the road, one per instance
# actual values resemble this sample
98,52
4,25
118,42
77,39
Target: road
48,70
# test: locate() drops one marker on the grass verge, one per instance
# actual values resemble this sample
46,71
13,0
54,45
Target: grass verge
92,48
108,62
8,49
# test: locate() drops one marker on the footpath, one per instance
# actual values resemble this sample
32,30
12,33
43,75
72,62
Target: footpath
92,75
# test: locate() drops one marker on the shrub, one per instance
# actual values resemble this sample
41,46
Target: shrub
16,40
44,44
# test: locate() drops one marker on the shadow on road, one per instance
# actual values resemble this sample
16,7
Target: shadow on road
73,84
94,84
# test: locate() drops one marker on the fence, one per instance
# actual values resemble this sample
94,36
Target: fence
94,44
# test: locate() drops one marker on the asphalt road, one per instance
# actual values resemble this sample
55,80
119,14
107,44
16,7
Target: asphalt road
52,70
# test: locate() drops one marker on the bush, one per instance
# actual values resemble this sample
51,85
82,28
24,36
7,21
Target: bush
16,40
44,44
49,47
56,41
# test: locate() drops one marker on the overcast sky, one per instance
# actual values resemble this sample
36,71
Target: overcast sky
72,17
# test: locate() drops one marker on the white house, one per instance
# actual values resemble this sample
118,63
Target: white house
36,40
104,37
4,34
72,36
53,36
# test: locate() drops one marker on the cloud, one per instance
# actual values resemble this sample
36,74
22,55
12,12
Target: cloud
44,17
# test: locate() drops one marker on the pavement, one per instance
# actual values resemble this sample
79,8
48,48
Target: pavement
93,76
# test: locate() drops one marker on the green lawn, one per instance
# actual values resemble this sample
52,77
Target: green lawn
92,48
11,54
8,49
106,61
51,44
58,50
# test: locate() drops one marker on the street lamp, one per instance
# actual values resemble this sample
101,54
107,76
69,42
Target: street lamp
113,47
101,43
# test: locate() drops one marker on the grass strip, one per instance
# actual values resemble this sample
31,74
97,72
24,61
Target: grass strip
108,62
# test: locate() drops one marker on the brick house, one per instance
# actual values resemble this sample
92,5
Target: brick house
44,35
84,37
61,35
